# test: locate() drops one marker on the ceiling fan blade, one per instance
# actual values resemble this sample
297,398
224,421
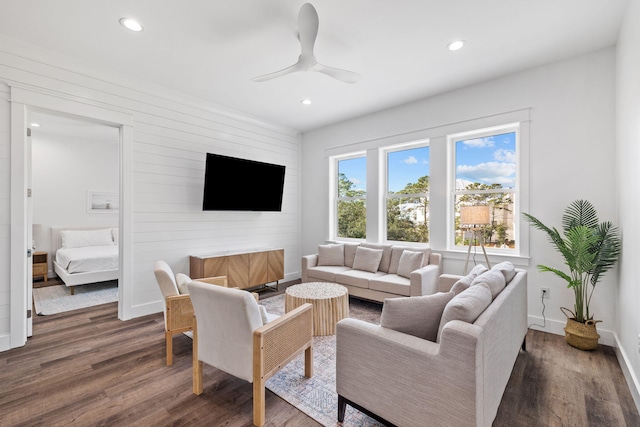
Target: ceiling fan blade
337,73
307,28
292,69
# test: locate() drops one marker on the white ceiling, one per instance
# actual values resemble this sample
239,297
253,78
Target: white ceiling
211,49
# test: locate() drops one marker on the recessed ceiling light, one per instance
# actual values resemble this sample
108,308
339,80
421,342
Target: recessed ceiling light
455,45
35,125
131,24
306,102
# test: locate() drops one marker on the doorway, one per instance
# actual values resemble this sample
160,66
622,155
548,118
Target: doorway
25,100
73,160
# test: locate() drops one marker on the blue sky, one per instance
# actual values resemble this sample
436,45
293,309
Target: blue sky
488,160
404,167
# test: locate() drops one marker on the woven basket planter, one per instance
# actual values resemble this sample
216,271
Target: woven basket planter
583,336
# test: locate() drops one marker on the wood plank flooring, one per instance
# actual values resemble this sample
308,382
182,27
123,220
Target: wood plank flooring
88,368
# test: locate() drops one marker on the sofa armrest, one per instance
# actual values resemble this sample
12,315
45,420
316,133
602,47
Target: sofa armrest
433,381
424,281
435,259
446,281
308,261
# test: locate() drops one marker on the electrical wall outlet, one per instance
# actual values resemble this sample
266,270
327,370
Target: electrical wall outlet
544,293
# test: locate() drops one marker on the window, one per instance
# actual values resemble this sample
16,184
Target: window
351,192
485,174
407,195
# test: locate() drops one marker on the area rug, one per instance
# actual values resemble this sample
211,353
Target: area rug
317,396
58,299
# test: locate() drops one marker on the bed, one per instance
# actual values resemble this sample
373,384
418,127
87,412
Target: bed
83,255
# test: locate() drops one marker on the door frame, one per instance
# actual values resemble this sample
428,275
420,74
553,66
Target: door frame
25,98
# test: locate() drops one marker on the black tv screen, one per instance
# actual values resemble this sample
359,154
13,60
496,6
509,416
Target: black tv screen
233,184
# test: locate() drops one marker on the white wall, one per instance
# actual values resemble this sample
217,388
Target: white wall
628,180
571,156
64,169
171,134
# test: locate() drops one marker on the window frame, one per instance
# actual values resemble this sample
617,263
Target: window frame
334,196
384,187
517,191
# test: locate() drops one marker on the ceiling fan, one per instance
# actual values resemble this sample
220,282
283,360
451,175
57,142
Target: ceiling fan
308,30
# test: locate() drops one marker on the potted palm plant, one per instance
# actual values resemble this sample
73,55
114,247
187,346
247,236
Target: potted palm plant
590,248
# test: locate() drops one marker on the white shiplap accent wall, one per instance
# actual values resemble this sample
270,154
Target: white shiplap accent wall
171,134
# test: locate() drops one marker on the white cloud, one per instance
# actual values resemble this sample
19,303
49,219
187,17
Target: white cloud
480,142
410,160
503,155
489,173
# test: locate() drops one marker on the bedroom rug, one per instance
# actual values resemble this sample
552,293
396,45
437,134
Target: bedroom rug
317,396
58,299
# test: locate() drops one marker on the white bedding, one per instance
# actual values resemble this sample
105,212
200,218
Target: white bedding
86,259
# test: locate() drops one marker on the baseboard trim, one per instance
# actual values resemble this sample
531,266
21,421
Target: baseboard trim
556,327
629,375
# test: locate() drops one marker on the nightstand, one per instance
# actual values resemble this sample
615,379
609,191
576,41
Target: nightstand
40,265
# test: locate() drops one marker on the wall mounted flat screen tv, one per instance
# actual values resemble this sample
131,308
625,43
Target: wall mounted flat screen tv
233,184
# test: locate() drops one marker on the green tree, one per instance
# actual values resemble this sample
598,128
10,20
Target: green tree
402,227
352,214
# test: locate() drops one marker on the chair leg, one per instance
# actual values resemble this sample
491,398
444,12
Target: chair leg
308,362
168,336
342,406
258,403
197,377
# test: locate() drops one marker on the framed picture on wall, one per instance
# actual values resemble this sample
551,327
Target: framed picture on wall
102,202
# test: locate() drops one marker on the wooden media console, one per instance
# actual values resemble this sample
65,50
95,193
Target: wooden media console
243,269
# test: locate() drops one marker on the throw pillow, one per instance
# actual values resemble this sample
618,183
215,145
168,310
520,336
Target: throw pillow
396,253
350,253
386,254
466,306
492,279
507,269
417,316
465,281
367,259
409,261
332,254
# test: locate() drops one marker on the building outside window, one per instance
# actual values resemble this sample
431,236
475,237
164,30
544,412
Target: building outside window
485,174
350,203
407,195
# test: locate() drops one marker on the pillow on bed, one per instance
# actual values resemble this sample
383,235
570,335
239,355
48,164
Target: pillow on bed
83,238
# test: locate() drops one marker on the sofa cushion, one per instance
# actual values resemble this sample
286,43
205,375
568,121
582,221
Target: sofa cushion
357,278
367,259
396,253
332,254
417,316
386,254
326,273
465,281
391,283
507,269
466,306
409,261
493,279
350,253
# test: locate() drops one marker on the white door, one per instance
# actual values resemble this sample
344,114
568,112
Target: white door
29,284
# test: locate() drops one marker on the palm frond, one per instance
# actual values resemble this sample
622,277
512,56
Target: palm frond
579,212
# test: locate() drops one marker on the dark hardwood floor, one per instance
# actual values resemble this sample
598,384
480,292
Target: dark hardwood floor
88,368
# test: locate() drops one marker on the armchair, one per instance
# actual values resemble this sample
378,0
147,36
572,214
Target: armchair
229,334
178,311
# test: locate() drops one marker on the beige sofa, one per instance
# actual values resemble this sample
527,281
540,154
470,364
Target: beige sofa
458,378
375,271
